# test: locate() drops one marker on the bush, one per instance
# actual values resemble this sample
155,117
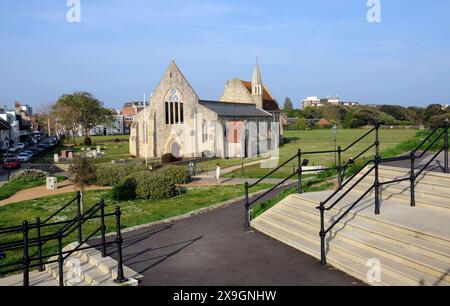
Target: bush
83,172
115,174
177,175
111,174
153,185
168,158
87,141
30,174
125,191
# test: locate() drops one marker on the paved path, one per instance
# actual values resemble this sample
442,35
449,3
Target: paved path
214,249
41,191
436,166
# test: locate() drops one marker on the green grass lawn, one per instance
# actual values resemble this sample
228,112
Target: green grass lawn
133,212
113,150
11,188
320,140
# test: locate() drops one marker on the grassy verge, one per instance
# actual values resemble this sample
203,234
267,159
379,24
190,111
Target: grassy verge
11,188
133,212
114,147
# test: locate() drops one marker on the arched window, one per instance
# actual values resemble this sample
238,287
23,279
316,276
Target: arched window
173,107
204,131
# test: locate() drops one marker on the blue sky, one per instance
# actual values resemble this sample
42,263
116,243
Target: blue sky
121,48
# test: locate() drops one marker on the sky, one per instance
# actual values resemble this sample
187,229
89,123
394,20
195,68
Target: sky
120,49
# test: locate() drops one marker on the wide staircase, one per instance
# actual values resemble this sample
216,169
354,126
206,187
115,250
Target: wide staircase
403,245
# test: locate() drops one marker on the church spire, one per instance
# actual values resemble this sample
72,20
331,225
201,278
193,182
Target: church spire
257,81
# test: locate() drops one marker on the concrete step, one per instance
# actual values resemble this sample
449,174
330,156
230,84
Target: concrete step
311,216
360,254
413,244
88,268
335,259
418,222
393,253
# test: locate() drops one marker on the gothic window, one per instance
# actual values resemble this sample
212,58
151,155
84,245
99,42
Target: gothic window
173,107
204,132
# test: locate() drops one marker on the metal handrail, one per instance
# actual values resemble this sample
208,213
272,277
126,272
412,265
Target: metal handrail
341,168
26,243
377,184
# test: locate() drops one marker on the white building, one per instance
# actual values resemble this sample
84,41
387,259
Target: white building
11,118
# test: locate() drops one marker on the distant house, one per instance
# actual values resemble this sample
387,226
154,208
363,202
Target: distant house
5,129
129,112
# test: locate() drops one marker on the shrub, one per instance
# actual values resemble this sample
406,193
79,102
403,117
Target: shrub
168,158
111,174
178,175
30,174
83,172
125,191
87,141
115,174
153,185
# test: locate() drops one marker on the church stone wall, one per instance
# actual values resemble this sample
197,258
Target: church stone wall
236,92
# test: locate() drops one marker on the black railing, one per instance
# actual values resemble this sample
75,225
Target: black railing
340,167
65,229
443,134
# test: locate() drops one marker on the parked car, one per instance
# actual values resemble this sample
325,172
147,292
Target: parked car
11,164
30,153
20,146
12,149
23,157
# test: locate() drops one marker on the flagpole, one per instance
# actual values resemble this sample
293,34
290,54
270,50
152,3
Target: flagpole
146,131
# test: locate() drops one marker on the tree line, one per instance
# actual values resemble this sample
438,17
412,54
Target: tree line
363,115
73,114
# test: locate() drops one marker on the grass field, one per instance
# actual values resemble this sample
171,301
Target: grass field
114,147
320,140
133,212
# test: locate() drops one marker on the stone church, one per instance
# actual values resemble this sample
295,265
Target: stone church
244,123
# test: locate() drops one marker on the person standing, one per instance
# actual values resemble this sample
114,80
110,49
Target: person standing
218,170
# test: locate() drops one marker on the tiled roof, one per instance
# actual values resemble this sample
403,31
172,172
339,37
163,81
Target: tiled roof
269,102
229,109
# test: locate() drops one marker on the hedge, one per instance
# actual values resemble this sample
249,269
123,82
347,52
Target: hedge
153,185
30,174
178,175
115,174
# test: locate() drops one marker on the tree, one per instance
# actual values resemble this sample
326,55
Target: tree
396,111
289,107
82,173
84,110
432,111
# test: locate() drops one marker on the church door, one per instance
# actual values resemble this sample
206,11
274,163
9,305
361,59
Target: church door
175,150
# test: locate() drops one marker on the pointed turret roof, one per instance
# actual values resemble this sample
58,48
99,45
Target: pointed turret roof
257,79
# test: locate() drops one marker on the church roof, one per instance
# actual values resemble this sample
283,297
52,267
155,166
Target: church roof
269,102
229,109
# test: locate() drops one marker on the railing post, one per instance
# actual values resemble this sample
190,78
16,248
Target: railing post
79,216
103,227
39,244
60,259
340,166
446,168
377,170
413,179
323,256
300,170
26,257
247,207
120,276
